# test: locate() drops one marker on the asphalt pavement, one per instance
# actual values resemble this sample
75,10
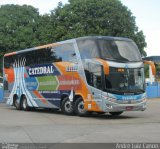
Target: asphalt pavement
43,126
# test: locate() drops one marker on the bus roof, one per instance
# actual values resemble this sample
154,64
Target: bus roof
55,44
104,37
30,49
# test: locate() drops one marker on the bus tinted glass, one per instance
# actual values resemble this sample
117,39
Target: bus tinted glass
131,80
88,48
118,50
93,74
63,52
9,61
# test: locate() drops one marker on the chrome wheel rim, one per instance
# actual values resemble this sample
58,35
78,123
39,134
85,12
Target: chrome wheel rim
68,106
81,108
24,104
16,103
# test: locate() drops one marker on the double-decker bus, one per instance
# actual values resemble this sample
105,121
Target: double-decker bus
78,76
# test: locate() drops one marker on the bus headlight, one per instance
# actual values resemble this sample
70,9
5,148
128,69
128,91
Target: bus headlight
109,106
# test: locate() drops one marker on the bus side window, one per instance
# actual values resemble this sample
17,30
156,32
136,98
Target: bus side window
5,85
54,56
64,52
8,62
29,57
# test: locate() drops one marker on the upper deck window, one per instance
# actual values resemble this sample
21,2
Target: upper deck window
88,48
119,50
110,49
63,52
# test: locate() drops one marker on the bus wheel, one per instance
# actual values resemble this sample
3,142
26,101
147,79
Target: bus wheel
116,113
67,106
25,106
17,104
79,108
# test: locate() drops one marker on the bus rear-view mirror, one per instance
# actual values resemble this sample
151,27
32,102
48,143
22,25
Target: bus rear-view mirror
151,64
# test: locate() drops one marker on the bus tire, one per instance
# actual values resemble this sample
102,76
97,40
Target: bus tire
16,103
67,106
25,106
116,113
79,108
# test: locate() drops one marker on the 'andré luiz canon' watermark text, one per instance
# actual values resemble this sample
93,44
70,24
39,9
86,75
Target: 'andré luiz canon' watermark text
137,146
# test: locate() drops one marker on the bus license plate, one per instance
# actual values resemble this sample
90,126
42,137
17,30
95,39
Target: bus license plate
129,108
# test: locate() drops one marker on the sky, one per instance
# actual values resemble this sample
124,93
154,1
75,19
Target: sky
147,13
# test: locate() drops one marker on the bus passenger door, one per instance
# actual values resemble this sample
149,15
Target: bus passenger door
94,75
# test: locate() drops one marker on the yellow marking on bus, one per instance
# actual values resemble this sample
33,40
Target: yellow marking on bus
48,45
9,54
105,65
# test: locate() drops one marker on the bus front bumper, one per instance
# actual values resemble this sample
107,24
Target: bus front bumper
115,107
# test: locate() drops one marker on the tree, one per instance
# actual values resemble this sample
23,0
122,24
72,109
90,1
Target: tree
96,17
45,30
17,27
23,27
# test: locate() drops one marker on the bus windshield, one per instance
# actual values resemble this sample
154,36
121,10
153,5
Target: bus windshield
128,81
114,50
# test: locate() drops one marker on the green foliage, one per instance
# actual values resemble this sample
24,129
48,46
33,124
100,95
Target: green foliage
96,17
157,70
17,27
158,67
146,70
23,27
